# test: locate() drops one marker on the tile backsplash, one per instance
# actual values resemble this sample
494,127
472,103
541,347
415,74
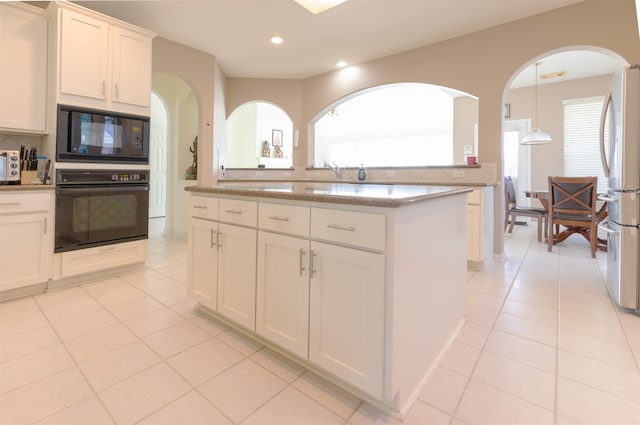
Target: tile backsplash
485,173
15,141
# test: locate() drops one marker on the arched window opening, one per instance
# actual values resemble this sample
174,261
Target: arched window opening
398,125
259,134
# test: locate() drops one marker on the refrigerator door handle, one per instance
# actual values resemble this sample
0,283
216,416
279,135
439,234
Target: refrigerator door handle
604,226
603,119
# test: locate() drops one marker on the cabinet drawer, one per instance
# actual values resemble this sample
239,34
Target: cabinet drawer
22,202
284,218
204,207
244,213
100,258
352,228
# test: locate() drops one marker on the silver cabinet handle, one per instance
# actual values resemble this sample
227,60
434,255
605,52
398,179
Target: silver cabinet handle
302,252
218,239
212,242
108,249
200,207
233,212
312,263
10,204
275,217
117,92
104,87
45,225
338,227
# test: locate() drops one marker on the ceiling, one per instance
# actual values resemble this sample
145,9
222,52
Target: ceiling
237,32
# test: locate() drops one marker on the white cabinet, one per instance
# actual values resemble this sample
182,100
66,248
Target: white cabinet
237,274
282,307
222,257
98,259
26,229
480,228
359,294
202,269
131,67
319,300
100,62
83,53
325,303
346,314
23,68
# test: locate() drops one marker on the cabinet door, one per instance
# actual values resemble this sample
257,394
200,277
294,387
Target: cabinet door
282,302
25,252
202,271
83,56
346,303
23,70
237,274
131,68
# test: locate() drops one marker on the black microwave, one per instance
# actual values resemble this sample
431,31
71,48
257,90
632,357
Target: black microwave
91,135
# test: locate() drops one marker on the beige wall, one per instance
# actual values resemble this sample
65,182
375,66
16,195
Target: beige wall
482,64
199,70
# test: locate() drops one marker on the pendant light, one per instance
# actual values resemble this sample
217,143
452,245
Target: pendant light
536,136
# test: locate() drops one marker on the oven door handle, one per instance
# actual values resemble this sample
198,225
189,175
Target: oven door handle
101,188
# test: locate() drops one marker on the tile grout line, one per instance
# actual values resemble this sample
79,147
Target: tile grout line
482,348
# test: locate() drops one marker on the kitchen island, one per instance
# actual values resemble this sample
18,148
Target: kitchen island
363,284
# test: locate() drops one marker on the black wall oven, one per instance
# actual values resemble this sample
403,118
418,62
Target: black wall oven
90,135
100,207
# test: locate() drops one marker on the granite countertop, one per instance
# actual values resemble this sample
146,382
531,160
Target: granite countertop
375,195
17,187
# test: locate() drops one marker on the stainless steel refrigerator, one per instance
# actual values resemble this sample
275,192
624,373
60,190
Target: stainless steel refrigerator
622,166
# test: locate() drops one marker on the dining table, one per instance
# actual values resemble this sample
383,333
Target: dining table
543,197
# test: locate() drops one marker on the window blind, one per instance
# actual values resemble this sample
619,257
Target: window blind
581,139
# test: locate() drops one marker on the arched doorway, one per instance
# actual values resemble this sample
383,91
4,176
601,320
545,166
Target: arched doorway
181,111
564,76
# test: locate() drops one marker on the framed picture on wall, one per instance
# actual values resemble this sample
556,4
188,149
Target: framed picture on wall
276,137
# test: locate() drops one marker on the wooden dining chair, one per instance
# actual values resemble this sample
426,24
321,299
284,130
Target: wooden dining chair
512,210
572,204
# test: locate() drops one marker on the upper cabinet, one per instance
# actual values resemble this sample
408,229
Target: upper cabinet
100,62
23,68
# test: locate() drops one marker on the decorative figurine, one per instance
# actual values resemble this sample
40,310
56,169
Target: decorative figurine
192,172
266,150
277,152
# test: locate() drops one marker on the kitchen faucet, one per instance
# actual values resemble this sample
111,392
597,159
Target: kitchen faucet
334,168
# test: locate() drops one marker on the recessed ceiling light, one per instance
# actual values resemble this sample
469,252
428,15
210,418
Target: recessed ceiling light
276,39
341,64
318,6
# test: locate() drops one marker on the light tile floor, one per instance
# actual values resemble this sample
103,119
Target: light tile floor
542,344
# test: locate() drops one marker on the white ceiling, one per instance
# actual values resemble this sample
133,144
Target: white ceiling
237,32
575,64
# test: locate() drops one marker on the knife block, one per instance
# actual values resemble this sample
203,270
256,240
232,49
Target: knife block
29,177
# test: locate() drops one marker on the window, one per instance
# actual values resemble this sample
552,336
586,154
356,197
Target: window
517,158
582,139
397,125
